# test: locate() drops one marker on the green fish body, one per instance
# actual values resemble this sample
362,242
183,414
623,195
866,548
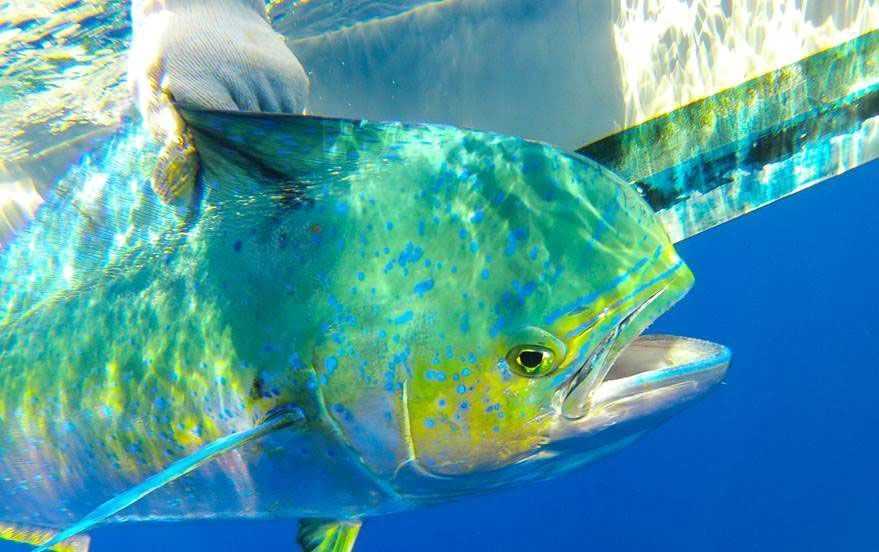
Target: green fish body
379,302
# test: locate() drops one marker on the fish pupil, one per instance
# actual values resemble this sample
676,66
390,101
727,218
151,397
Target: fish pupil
531,359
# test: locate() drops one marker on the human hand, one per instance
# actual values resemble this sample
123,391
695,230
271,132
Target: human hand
206,54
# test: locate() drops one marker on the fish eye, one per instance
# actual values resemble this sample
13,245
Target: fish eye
531,361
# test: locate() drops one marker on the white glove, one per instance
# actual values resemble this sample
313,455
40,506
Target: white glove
206,54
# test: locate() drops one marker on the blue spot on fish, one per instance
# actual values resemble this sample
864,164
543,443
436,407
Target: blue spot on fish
403,318
411,254
506,373
435,375
423,287
343,412
514,238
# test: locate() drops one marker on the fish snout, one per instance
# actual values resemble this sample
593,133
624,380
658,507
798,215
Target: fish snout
651,379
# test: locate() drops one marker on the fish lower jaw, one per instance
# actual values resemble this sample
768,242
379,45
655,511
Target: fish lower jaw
652,375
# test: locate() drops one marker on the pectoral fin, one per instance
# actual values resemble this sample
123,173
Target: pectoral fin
326,535
38,535
174,471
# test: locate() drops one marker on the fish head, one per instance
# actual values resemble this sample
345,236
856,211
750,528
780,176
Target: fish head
499,299
515,366
468,301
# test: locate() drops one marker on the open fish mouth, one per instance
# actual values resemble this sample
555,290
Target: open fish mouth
651,376
576,394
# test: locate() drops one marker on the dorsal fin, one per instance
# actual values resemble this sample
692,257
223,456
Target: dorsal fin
747,146
283,144
293,156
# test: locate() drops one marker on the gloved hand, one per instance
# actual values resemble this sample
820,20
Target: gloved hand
208,54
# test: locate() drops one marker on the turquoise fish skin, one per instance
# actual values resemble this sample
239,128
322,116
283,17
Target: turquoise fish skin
375,275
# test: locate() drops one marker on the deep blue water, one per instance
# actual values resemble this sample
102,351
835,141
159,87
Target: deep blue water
781,457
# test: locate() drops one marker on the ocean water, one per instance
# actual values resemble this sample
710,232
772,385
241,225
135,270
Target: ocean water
779,457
